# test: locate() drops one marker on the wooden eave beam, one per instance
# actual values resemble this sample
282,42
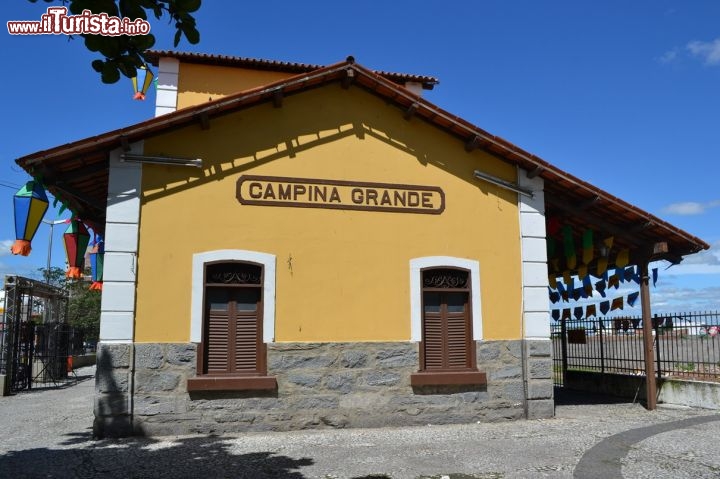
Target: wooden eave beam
473,143
535,172
588,202
411,110
638,227
53,176
278,98
204,120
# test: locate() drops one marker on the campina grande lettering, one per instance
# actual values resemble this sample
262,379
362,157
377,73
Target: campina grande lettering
315,193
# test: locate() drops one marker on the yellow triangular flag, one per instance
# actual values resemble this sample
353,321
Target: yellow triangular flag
582,271
601,267
623,258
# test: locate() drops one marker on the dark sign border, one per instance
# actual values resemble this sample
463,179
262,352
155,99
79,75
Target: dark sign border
359,184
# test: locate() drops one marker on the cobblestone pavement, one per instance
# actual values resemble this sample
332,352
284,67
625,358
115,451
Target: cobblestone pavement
47,434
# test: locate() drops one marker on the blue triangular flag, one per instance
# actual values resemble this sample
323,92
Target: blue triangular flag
632,298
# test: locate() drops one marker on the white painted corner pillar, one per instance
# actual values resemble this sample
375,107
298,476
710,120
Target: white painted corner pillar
117,310
536,305
167,86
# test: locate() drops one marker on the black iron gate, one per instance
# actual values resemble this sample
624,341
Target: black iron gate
36,344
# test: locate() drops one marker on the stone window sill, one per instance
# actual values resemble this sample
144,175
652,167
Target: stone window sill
231,383
449,378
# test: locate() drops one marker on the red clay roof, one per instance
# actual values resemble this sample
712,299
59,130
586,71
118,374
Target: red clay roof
78,171
153,56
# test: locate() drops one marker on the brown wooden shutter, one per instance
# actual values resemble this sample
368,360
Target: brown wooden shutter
217,346
433,341
457,340
246,342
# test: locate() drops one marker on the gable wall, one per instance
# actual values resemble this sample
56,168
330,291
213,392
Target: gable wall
199,83
341,275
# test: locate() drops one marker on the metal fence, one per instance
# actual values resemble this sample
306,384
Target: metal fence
687,345
36,343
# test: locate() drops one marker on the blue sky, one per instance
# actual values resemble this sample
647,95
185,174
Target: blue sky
625,95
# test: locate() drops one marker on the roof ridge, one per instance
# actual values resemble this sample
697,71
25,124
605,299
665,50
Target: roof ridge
153,56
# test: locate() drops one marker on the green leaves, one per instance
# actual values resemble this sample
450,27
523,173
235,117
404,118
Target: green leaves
123,54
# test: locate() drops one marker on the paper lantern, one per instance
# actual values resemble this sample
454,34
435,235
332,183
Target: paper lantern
97,258
76,239
30,204
141,82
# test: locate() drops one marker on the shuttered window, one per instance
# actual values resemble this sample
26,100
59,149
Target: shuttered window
232,334
447,332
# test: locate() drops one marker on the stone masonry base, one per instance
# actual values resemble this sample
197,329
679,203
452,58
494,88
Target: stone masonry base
319,385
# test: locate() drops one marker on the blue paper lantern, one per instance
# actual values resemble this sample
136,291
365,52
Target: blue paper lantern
29,204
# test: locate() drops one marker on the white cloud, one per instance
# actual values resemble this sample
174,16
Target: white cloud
688,208
5,247
709,52
669,56
710,257
685,299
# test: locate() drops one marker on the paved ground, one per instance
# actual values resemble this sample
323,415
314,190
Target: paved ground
47,434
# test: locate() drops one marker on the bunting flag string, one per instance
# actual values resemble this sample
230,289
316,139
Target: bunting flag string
567,289
588,310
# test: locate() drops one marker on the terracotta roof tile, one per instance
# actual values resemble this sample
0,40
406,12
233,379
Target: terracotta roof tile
153,56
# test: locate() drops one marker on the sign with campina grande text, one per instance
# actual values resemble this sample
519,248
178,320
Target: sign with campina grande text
339,195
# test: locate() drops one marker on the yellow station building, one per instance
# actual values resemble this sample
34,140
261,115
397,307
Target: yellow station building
293,246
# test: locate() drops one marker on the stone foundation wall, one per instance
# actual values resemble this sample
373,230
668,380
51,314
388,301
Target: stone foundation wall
319,385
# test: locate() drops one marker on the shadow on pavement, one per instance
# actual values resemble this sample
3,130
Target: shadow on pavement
568,397
192,457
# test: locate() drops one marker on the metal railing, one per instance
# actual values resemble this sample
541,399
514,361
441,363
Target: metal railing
687,345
